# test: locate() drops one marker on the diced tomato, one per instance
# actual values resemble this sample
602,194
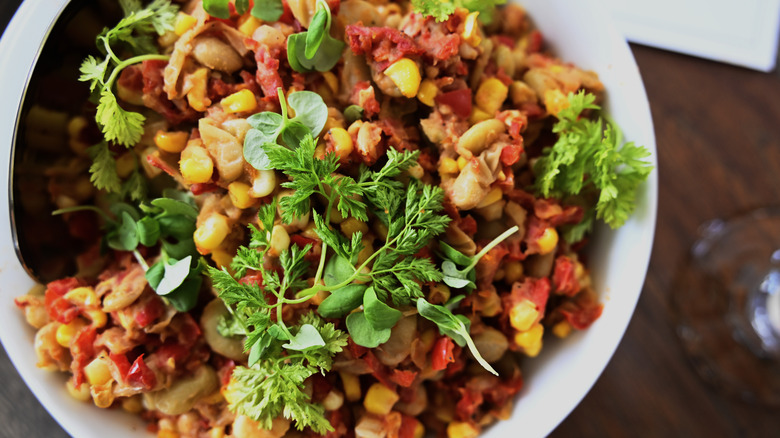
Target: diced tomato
468,225
408,426
510,154
83,351
505,40
121,363
268,71
468,404
302,241
201,188
564,278
357,350
403,378
458,100
58,308
171,351
441,354
383,45
583,310
153,308
535,42
140,375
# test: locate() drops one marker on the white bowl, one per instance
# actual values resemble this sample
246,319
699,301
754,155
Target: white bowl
576,31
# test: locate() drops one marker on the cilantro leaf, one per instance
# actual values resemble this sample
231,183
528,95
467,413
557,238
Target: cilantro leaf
103,168
442,9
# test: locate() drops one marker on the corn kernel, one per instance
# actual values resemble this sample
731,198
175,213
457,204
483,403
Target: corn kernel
555,101
523,315
427,93
263,184
380,399
351,385
490,95
521,93
97,372
196,165
240,101
216,432
478,115
80,394
461,429
211,233
66,332
167,433
471,30
222,258
405,74
248,24
132,404
125,164
280,240
548,241
197,97
351,226
562,329
448,166
462,162
340,142
419,430
332,81
82,296
491,198
97,316
239,195
333,401
173,142
531,340
184,22
513,271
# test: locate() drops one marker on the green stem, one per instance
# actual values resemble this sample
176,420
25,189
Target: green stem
490,246
82,208
130,61
140,260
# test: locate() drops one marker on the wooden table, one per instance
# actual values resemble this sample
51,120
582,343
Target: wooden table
718,134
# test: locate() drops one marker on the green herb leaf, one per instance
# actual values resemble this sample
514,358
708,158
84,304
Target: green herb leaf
148,230
316,32
174,276
103,169
307,338
174,207
377,313
218,8
353,113
315,49
342,301
363,333
241,6
268,10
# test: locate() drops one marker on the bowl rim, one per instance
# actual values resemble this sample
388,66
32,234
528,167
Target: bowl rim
22,42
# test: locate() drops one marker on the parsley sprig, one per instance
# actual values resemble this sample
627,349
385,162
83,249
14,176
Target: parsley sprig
442,9
589,157
266,10
119,125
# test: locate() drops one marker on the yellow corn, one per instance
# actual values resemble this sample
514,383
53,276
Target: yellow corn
521,93
492,197
461,429
263,184
470,32
448,166
173,142
231,391
280,240
478,115
216,432
97,372
211,233
562,329
239,194
133,404
351,226
197,97
248,24
167,433
555,101
196,165
183,23
332,81
97,316
351,385
80,394
240,101
82,296
66,332
523,315
222,258
531,340
548,241
490,95
513,271
380,399
405,74
340,141
462,162
419,430
427,93
125,164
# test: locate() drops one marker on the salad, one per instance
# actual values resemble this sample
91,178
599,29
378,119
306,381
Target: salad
326,217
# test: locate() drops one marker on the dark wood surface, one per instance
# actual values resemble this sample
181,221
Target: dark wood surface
718,136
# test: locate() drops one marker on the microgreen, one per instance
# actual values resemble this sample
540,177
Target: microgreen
442,9
311,113
591,157
266,10
315,49
464,277
353,113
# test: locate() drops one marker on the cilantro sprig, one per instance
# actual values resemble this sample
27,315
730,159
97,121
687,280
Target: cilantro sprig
164,221
442,9
591,157
315,49
311,113
134,31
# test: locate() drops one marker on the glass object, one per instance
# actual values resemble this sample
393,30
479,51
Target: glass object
726,305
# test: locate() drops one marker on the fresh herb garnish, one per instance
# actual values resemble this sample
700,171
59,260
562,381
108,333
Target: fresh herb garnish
465,276
165,221
266,10
315,49
311,113
442,9
117,124
588,157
